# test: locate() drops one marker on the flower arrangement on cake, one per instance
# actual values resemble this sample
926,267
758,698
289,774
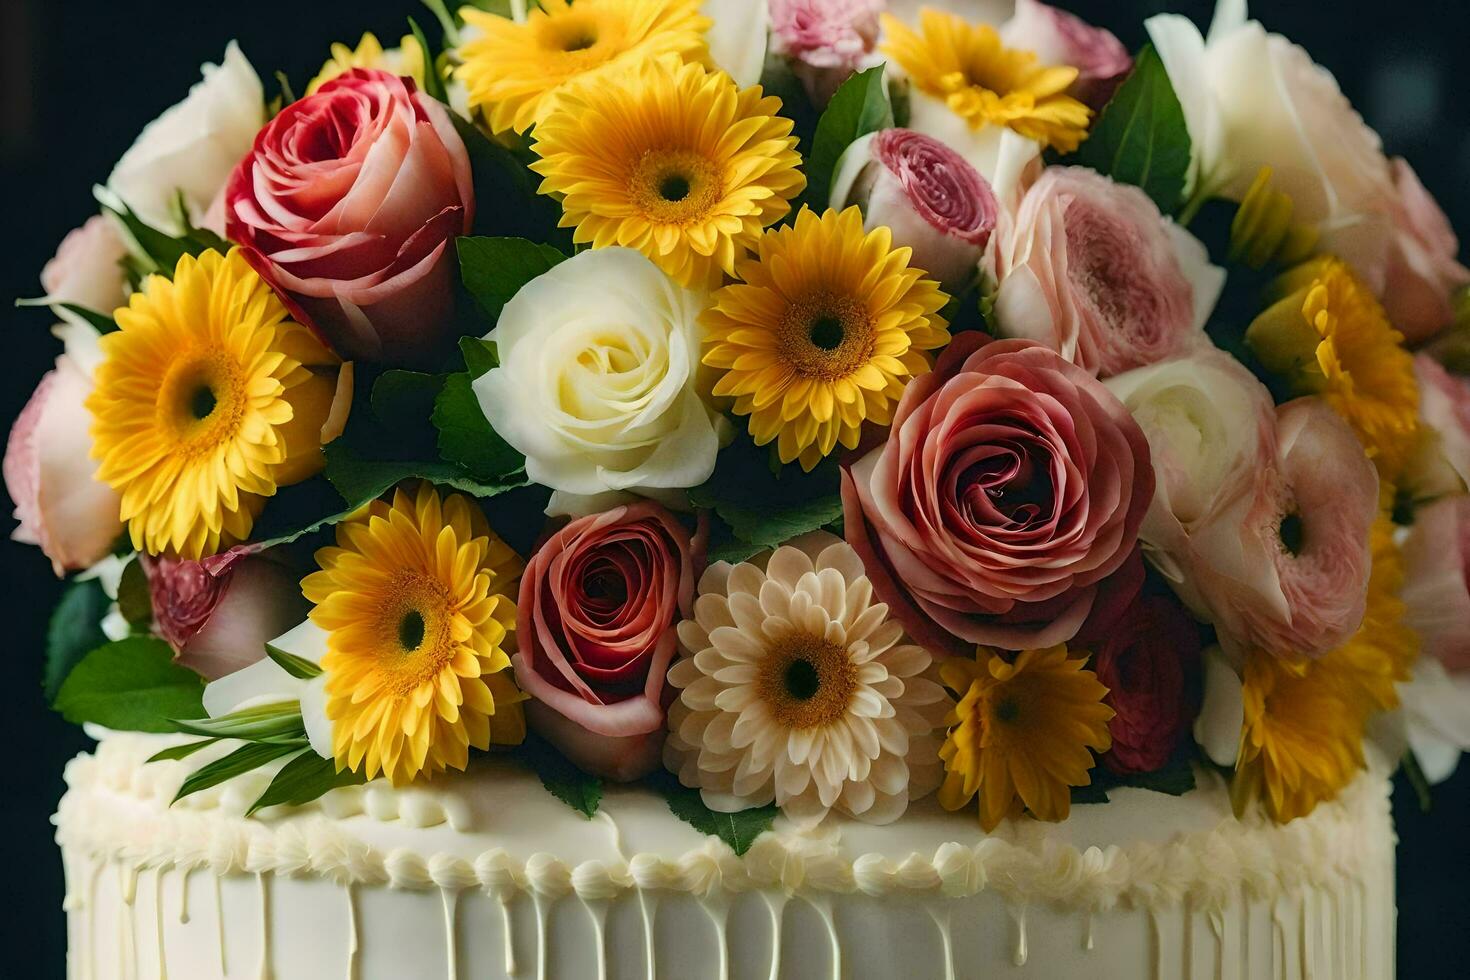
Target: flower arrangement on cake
799,408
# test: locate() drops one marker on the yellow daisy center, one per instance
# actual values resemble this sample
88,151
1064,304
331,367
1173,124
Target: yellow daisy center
807,682
202,401
826,335
675,187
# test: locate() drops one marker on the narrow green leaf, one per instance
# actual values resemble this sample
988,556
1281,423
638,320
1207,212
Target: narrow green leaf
360,480
495,269
480,356
739,830
433,84
162,250
860,107
103,323
466,438
181,751
131,685
298,667
134,597
244,759
446,21
562,780
263,723
288,94
305,778
1418,782
75,631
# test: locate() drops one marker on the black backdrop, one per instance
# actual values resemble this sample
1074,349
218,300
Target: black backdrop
79,78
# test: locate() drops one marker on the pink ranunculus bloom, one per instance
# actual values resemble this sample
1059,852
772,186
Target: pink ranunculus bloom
87,268
599,602
1436,588
825,40
1010,489
927,195
349,204
61,505
1060,38
1422,271
1091,269
219,613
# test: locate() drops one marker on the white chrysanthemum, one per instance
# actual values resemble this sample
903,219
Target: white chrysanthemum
796,687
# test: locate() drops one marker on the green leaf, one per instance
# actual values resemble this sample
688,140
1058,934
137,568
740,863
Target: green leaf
1092,793
739,830
403,402
263,723
446,21
298,667
433,84
305,778
134,598
860,107
75,630
465,435
359,479
495,269
480,356
288,94
131,685
242,760
562,780
182,751
162,251
103,323
500,175
1141,137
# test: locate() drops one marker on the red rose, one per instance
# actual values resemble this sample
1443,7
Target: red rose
598,605
349,204
1011,487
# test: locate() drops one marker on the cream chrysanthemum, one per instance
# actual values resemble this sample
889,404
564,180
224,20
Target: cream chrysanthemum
415,599
516,72
828,327
796,687
208,399
672,160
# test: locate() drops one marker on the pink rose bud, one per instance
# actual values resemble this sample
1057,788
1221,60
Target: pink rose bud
349,205
51,476
87,269
218,613
1422,271
1010,490
1060,38
825,40
1436,588
598,605
932,199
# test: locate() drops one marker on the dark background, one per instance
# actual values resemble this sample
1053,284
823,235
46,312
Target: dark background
80,78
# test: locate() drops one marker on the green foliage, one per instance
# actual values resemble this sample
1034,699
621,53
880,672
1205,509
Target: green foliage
860,107
298,667
562,780
480,356
495,269
134,598
466,438
100,322
75,630
246,758
131,685
433,84
305,778
182,751
264,723
161,251
739,830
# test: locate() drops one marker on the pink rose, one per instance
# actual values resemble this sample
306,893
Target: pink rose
826,40
87,269
51,476
598,605
926,194
1060,38
1012,485
1091,269
1437,581
219,613
349,204
1422,271
1444,406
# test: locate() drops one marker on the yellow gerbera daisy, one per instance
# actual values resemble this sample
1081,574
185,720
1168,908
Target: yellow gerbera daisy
516,72
1021,733
984,82
407,60
829,325
1381,654
209,398
1330,336
673,160
414,597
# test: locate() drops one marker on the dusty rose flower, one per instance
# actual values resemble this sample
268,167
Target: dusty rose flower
1012,485
826,40
1091,269
51,476
1060,38
926,194
349,204
1422,271
598,605
86,270
1437,583
218,613
1444,407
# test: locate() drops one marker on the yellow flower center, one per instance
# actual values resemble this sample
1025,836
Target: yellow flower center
415,630
807,682
827,336
675,187
581,39
200,402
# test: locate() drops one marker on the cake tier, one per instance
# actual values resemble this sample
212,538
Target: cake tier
487,875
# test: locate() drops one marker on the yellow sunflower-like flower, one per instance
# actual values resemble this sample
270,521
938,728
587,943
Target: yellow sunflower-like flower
407,60
209,398
673,160
516,72
828,326
1021,733
984,82
415,600
1328,335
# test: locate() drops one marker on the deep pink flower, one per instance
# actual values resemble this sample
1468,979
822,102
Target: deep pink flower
1422,270
1060,38
826,40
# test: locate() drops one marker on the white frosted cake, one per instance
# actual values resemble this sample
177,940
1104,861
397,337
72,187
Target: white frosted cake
489,876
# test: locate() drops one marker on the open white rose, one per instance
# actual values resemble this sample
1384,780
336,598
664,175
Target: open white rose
596,384
193,147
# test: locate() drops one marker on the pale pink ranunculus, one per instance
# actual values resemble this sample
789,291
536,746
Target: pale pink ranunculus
87,268
49,472
1061,38
826,41
1091,269
349,204
1010,489
598,605
218,613
1436,588
1444,407
1422,270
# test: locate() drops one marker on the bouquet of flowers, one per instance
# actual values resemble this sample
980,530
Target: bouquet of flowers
806,405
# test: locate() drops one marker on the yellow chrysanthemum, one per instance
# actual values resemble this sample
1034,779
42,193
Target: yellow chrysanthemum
1263,231
1329,336
209,398
827,328
1022,733
1381,654
984,82
673,160
407,60
415,599
516,72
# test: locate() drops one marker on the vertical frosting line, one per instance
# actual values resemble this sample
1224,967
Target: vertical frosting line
717,908
352,938
219,924
158,922
823,905
776,905
265,926
450,899
540,904
184,874
1018,915
597,912
128,885
1156,933
1089,941
939,911
510,940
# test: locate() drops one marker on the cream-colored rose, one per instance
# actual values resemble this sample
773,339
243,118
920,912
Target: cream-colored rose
738,37
596,384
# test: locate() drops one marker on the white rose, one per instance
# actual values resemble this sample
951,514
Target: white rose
193,146
739,37
596,384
